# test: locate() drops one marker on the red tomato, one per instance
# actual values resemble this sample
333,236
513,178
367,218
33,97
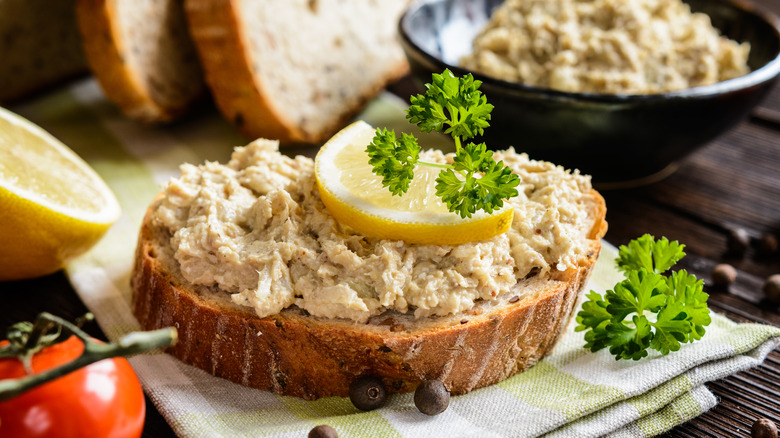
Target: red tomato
103,399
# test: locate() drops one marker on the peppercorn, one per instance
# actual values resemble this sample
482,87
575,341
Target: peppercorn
771,288
767,245
367,393
738,241
431,397
723,275
763,428
323,431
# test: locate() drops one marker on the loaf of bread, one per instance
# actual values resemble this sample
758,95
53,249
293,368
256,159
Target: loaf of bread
296,70
215,217
39,46
142,55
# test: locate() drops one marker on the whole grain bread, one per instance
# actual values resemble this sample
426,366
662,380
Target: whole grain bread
39,46
296,70
142,55
294,353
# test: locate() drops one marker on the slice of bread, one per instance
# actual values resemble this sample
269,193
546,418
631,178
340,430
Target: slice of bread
296,70
39,46
142,55
296,353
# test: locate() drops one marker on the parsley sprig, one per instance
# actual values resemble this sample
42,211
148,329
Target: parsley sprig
454,106
648,309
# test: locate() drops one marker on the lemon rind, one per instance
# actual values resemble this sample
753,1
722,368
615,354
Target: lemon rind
415,232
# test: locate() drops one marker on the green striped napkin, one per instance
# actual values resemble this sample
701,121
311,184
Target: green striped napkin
572,392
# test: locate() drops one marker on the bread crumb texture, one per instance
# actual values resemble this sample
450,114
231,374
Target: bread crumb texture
257,229
320,61
605,46
160,51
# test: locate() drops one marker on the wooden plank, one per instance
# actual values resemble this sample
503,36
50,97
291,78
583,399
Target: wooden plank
734,181
739,407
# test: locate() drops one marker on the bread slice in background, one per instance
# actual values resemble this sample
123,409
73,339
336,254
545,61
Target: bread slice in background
296,70
142,55
39,46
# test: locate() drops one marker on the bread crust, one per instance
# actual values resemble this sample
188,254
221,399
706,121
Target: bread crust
106,51
299,355
222,44
218,38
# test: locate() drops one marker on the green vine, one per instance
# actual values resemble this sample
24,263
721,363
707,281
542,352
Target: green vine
26,339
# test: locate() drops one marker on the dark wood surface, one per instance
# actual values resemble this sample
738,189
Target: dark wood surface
734,182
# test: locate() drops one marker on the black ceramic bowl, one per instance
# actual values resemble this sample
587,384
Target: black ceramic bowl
624,139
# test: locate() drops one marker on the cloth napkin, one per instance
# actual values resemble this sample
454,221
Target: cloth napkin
572,392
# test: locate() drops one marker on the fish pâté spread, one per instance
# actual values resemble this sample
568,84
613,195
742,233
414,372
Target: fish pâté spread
257,229
605,46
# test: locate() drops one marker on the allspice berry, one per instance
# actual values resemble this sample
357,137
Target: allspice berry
771,289
723,275
431,397
323,431
738,241
763,428
367,393
767,245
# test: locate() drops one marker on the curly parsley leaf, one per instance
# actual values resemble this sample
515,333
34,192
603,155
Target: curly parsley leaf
594,312
474,181
393,159
671,328
647,253
464,192
647,309
454,102
629,341
690,293
641,291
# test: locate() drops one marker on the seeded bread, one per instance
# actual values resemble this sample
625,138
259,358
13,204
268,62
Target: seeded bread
39,46
296,70
294,353
142,55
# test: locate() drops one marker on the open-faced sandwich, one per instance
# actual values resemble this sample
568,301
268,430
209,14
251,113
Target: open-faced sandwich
282,273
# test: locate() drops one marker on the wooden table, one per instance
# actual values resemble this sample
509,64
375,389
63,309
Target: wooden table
734,182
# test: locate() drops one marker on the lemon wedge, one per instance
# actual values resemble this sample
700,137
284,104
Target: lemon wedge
354,195
53,206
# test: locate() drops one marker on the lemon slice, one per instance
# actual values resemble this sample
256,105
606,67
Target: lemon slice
354,195
53,206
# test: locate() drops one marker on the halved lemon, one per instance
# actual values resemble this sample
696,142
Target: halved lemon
53,206
354,195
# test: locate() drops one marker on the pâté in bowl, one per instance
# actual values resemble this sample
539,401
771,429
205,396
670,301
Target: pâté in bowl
620,139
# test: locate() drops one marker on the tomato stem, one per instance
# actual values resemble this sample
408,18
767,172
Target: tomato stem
49,329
